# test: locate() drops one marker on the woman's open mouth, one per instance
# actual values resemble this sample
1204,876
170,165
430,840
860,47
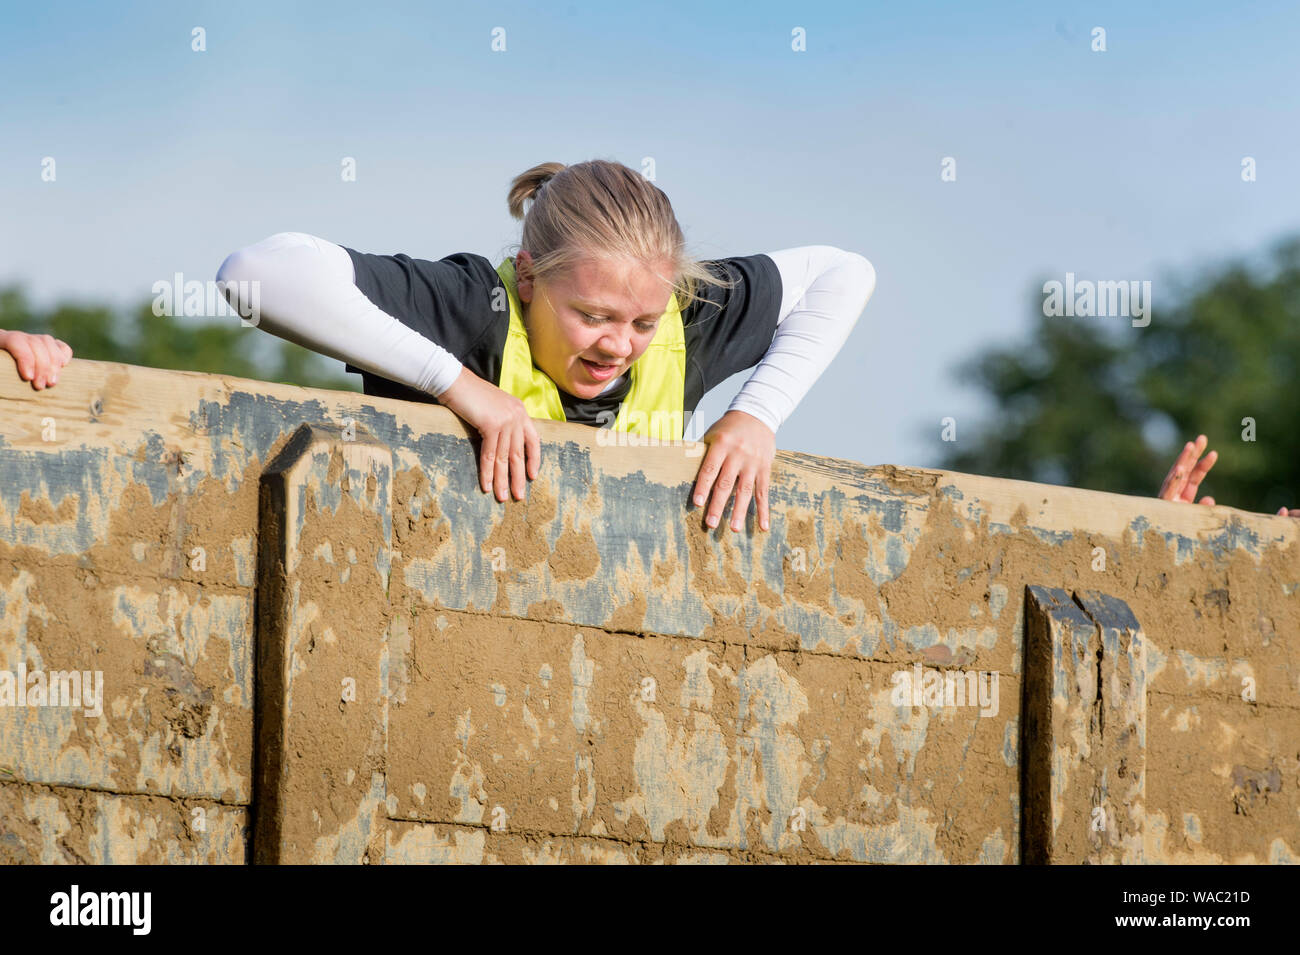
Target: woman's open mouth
598,371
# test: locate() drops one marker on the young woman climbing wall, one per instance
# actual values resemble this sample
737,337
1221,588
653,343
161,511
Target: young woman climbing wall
602,318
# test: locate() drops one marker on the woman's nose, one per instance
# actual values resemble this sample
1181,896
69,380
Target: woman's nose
617,346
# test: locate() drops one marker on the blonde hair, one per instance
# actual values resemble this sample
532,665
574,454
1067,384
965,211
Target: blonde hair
602,209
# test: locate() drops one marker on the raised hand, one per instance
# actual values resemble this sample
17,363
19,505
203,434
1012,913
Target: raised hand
1184,478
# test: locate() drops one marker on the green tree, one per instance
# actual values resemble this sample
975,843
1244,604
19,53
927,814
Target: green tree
215,346
1095,403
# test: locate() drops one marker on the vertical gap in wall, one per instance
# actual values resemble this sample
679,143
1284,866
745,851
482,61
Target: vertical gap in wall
1034,801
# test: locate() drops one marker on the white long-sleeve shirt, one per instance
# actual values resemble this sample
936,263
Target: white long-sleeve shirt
308,295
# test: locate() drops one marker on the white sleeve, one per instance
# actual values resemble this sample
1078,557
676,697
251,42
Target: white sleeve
824,290
307,294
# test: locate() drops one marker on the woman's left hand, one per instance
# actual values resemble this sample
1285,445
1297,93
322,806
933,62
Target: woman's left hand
741,449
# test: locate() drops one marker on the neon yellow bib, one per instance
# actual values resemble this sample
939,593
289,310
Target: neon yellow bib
655,399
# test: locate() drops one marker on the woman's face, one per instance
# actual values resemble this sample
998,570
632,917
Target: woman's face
600,312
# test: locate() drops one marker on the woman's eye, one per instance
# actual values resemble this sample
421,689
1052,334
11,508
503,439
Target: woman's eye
643,327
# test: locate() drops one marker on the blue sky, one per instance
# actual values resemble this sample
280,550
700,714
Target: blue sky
1116,165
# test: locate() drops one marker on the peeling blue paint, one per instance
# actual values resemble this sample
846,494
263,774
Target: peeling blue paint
1054,538
51,476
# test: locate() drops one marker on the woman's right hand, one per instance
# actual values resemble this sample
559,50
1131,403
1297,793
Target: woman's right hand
510,446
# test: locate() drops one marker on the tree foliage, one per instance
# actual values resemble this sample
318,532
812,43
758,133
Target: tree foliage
1096,403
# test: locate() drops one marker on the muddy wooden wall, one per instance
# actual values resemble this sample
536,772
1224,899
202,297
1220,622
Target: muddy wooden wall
315,639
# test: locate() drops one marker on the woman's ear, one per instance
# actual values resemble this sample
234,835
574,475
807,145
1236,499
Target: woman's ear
524,276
